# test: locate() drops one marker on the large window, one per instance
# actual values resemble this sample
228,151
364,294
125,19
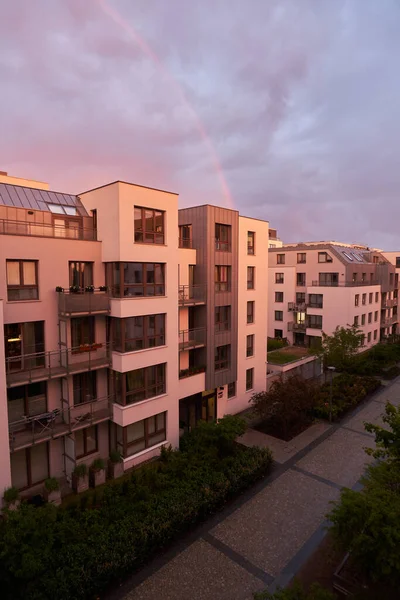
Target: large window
149,225
249,345
249,379
280,259
314,321
130,279
222,357
278,315
26,401
278,296
250,311
141,435
316,300
30,466
222,237
251,242
137,333
222,318
22,280
300,297
301,279
80,274
86,441
279,278
185,236
222,278
301,257
82,331
324,257
85,387
251,278
140,384
24,345
329,279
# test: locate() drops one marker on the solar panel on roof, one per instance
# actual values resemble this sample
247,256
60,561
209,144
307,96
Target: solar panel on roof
25,197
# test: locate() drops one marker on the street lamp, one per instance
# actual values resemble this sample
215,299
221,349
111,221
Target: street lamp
332,370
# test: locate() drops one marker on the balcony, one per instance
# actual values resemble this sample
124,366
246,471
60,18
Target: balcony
293,326
388,321
83,302
297,306
32,430
389,303
191,294
190,371
29,228
185,242
192,338
40,366
343,283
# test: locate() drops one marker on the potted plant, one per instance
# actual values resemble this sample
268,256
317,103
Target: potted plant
74,289
97,472
89,289
59,288
103,288
52,492
80,480
11,498
115,464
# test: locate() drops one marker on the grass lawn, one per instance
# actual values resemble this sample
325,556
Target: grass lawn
287,355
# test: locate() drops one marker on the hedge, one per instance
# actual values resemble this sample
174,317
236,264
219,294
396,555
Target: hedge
347,391
74,552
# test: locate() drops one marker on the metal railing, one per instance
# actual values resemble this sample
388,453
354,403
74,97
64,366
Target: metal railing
83,302
185,242
192,338
190,371
40,366
30,430
190,294
388,321
28,228
343,283
389,302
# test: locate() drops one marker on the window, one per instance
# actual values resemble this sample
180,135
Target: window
369,336
391,278
354,278
397,262
86,441
278,296
363,277
22,280
138,333
279,277
222,237
185,236
278,333
329,279
141,384
222,357
371,278
80,274
370,298
25,401
362,319
149,225
315,300
222,318
278,315
364,299
356,299
130,279
141,435
250,312
300,297
370,317
222,278
356,321
376,315
324,257
250,278
348,256
314,321
301,257
375,334
82,331
30,466
249,345
376,296
301,279
22,339
251,242
280,259
232,389
85,388
249,379
60,209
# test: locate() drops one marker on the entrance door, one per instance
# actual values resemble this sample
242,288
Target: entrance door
209,406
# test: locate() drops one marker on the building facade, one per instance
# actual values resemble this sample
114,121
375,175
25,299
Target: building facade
126,321
315,287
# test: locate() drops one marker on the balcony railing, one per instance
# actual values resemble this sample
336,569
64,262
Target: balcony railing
190,371
222,246
28,228
388,303
192,338
388,321
185,242
30,430
191,294
342,283
40,366
82,302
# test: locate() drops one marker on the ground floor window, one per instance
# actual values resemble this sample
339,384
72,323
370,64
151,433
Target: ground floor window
86,441
141,435
30,466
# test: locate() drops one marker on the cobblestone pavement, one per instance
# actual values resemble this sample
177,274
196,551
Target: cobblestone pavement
268,533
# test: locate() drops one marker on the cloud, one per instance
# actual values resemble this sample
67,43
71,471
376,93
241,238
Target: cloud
297,100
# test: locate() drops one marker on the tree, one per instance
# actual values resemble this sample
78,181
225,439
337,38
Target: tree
287,402
387,441
339,349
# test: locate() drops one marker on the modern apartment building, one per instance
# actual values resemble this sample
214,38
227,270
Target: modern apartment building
125,321
315,286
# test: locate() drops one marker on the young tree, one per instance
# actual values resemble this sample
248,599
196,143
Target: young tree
339,349
387,441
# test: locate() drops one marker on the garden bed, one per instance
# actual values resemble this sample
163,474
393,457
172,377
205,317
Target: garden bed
276,430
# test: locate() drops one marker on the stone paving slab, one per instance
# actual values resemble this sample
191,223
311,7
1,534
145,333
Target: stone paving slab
200,572
390,394
372,413
271,527
282,451
341,458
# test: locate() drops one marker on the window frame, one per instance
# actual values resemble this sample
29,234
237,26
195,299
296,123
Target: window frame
84,433
147,435
81,273
184,241
250,346
315,303
222,245
231,394
119,289
251,281
279,278
313,321
280,313
120,342
251,243
222,324
28,465
280,259
85,389
279,295
153,236
363,319
78,324
357,300
123,396
249,381
324,255
300,279
222,284
370,317
222,363
250,303
22,286
364,299
301,258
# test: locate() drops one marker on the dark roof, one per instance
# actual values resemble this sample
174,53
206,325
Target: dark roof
26,197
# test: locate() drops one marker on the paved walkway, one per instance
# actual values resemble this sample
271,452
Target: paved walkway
268,533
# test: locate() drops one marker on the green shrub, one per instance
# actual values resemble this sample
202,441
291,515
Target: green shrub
348,390
98,464
52,484
115,456
276,344
297,592
80,470
10,495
